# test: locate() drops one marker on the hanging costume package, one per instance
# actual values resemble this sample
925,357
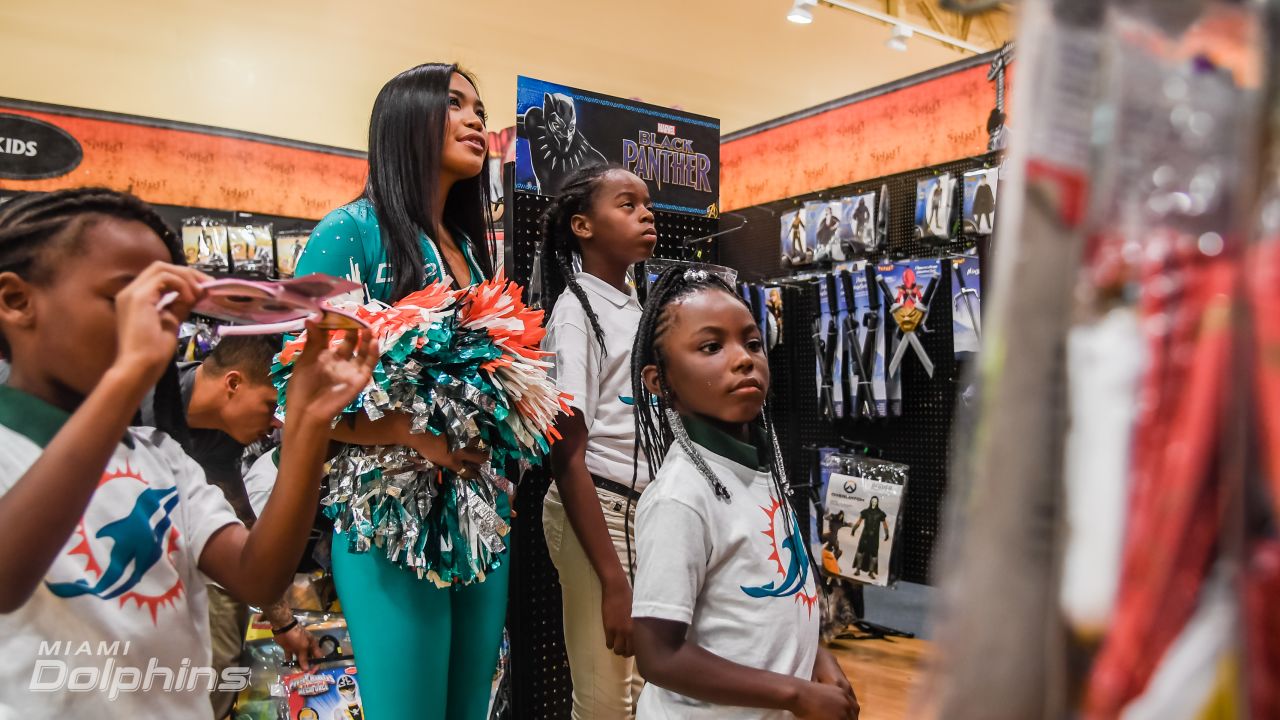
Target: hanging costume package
882,220
824,349
887,275
908,288
252,250
204,243
863,507
870,323
929,275
826,230
796,249
242,244
773,305
860,348
980,201
760,306
933,207
966,318
858,221
835,307
849,347
817,531
754,297
841,599
289,247
264,249
966,305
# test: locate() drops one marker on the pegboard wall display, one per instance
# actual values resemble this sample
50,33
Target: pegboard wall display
540,683
921,436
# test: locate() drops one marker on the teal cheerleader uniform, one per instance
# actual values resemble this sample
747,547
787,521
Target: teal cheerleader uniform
424,653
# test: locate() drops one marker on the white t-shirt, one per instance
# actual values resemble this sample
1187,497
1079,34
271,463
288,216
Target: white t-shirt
124,593
726,569
260,480
600,383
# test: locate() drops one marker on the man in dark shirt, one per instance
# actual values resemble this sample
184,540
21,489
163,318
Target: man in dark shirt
228,402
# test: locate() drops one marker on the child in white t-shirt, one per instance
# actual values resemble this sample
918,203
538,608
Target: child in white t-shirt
109,534
604,215
726,602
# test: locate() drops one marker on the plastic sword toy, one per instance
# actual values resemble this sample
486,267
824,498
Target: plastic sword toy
967,296
910,311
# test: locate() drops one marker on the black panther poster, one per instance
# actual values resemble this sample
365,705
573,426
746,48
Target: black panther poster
559,129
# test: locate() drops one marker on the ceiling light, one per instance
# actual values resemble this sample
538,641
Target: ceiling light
898,40
801,12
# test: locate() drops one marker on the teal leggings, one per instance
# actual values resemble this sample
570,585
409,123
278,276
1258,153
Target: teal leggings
423,653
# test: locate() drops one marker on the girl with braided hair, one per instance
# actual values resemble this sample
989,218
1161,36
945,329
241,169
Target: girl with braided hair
726,623
109,533
604,215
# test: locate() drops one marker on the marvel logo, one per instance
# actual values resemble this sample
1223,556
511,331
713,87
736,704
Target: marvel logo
666,129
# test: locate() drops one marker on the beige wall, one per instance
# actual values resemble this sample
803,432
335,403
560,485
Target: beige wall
309,70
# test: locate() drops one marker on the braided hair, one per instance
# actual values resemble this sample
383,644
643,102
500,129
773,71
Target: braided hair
559,242
37,228
657,423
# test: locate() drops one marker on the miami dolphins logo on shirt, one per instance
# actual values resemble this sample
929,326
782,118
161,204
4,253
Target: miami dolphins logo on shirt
131,547
795,574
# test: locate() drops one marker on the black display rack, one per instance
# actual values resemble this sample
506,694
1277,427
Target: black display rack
540,684
921,436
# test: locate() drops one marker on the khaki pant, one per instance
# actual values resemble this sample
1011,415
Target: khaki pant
228,621
605,686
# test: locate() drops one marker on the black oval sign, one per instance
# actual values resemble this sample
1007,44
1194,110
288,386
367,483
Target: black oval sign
32,149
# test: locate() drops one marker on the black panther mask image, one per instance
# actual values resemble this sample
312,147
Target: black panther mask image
555,145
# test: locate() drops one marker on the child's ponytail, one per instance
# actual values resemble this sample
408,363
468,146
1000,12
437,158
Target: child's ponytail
559,242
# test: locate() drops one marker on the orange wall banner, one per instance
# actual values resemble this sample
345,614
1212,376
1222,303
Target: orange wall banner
173,164
934,121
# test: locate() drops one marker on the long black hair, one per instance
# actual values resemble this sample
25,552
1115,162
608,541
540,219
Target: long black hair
559,242
657,424
406,131
35,229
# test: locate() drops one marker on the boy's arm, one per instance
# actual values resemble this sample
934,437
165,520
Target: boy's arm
41,510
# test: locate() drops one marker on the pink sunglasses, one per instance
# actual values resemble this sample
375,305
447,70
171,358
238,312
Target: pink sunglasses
281,306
